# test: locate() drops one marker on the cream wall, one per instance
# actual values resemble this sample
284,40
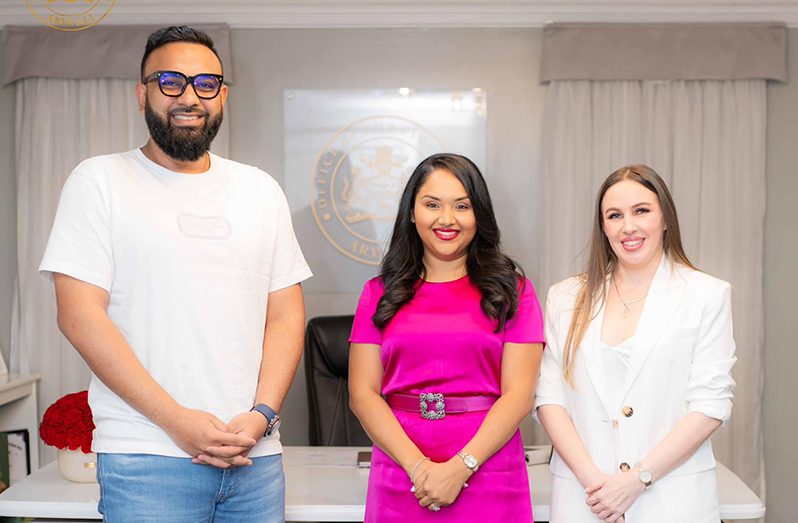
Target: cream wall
505,63
266,62
781,290
8,214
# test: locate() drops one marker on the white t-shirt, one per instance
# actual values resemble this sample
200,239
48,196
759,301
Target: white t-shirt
189,262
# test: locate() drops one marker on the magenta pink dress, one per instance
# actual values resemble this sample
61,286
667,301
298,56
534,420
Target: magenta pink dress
441,341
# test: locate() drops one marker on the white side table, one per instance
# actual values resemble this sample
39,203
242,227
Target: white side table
18,409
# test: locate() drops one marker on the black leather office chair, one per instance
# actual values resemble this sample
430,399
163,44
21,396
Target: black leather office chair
327,376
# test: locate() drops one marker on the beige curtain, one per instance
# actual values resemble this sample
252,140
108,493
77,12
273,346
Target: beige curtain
707,140
59,123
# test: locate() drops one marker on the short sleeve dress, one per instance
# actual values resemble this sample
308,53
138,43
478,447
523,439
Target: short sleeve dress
442,342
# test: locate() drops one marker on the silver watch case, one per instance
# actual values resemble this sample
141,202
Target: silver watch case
469,461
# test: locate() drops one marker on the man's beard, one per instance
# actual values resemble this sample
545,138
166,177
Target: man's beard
186,144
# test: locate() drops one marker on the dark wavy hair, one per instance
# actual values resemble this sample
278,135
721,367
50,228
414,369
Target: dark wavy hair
496,274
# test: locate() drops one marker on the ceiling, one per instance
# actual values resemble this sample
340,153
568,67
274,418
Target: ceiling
439,13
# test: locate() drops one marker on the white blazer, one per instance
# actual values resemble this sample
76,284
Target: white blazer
681,362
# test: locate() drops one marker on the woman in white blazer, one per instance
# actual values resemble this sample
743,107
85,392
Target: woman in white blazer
637,372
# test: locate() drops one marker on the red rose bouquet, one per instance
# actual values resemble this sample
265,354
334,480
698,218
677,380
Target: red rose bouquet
67,423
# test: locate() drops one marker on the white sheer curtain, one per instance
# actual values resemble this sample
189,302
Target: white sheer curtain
707,140
59,123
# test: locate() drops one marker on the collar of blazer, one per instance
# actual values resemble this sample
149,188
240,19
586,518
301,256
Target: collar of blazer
664,297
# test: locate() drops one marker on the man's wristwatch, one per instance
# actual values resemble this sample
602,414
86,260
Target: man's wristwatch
272,418
646,478
470,461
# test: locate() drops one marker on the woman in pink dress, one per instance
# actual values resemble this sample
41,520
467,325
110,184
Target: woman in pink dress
445,353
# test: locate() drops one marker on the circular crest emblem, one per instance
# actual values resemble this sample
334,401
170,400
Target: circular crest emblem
358,178
70,15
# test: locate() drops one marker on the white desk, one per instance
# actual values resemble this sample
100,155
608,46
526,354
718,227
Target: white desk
322,484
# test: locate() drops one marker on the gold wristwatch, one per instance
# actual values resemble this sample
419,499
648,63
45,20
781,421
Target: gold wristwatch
646,478
469,461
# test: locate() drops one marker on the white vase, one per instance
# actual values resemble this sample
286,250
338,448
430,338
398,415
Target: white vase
77,466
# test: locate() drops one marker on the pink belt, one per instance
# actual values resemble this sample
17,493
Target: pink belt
441,405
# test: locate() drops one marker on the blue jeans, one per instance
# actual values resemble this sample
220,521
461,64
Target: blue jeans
146,488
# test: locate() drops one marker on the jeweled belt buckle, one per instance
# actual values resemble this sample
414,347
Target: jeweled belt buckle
425,398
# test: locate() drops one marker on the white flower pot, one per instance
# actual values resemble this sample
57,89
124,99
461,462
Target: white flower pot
77,466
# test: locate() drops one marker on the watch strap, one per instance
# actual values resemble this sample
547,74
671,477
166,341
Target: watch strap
272,418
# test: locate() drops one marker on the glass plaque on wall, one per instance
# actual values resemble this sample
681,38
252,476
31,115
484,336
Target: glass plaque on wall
348,155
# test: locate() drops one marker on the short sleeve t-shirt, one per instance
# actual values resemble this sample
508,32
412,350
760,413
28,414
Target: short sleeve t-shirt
188,262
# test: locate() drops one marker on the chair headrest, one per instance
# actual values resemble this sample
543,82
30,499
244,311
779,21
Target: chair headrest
327,338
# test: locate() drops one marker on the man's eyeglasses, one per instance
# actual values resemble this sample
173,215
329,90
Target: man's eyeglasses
173,83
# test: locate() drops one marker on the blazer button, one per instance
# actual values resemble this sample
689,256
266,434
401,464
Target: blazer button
628,411
624,467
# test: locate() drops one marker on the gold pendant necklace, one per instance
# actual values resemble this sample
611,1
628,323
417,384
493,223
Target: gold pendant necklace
626,304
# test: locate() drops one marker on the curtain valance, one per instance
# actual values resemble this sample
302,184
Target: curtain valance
729,51
103,51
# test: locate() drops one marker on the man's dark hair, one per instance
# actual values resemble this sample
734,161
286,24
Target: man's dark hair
177,33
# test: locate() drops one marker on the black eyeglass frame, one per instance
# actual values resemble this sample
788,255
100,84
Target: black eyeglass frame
189,80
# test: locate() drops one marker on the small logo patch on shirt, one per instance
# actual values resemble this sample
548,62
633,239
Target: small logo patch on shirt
205,227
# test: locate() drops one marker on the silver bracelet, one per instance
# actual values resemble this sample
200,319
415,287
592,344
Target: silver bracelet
415,468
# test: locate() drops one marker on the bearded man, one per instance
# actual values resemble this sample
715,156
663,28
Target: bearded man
177,275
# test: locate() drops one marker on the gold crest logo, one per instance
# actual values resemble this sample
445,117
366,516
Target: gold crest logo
70,15
358,178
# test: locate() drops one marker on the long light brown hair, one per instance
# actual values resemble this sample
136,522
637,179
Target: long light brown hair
602,260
